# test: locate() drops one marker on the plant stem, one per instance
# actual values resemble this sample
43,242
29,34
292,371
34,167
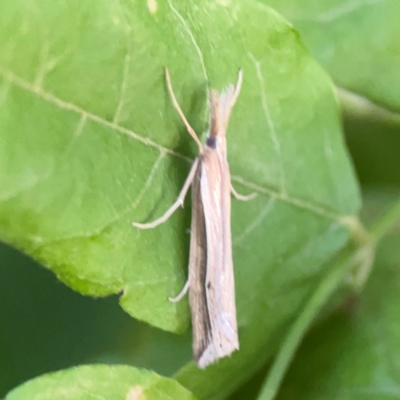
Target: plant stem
385,224
300,326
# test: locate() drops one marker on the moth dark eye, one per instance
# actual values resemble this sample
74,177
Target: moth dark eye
211,142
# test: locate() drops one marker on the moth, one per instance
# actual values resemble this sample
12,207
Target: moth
210,279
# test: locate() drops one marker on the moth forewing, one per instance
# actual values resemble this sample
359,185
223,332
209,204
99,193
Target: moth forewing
197,272
219,283
211,280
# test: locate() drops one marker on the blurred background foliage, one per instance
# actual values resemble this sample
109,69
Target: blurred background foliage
45,326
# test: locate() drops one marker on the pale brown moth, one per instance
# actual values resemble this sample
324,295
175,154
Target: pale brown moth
211,282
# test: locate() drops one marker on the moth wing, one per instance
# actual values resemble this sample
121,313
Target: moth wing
219,280
228,324
197,272
212,261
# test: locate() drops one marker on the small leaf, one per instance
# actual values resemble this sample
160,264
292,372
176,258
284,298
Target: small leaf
94,382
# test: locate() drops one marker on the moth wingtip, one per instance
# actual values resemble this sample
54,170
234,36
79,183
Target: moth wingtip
210,355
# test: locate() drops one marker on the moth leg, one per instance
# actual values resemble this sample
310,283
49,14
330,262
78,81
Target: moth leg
180,112
241,196
176,205
181,294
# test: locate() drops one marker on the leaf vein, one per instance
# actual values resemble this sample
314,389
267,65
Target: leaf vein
123,80
192,38
22,83
149,180
344,9
270,122
117,216
256,221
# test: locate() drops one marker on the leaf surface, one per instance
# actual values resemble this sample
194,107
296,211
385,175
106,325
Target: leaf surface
90,142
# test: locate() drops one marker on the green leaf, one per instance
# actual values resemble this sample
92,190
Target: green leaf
353,354
373,139
356,41
90,142
94,382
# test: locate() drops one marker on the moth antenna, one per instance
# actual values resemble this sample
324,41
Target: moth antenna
180,112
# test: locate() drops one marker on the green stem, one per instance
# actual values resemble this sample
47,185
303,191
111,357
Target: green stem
318,300
300,326
386,223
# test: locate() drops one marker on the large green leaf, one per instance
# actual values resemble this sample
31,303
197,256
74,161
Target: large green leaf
353,355
94,382
355,40
90,142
